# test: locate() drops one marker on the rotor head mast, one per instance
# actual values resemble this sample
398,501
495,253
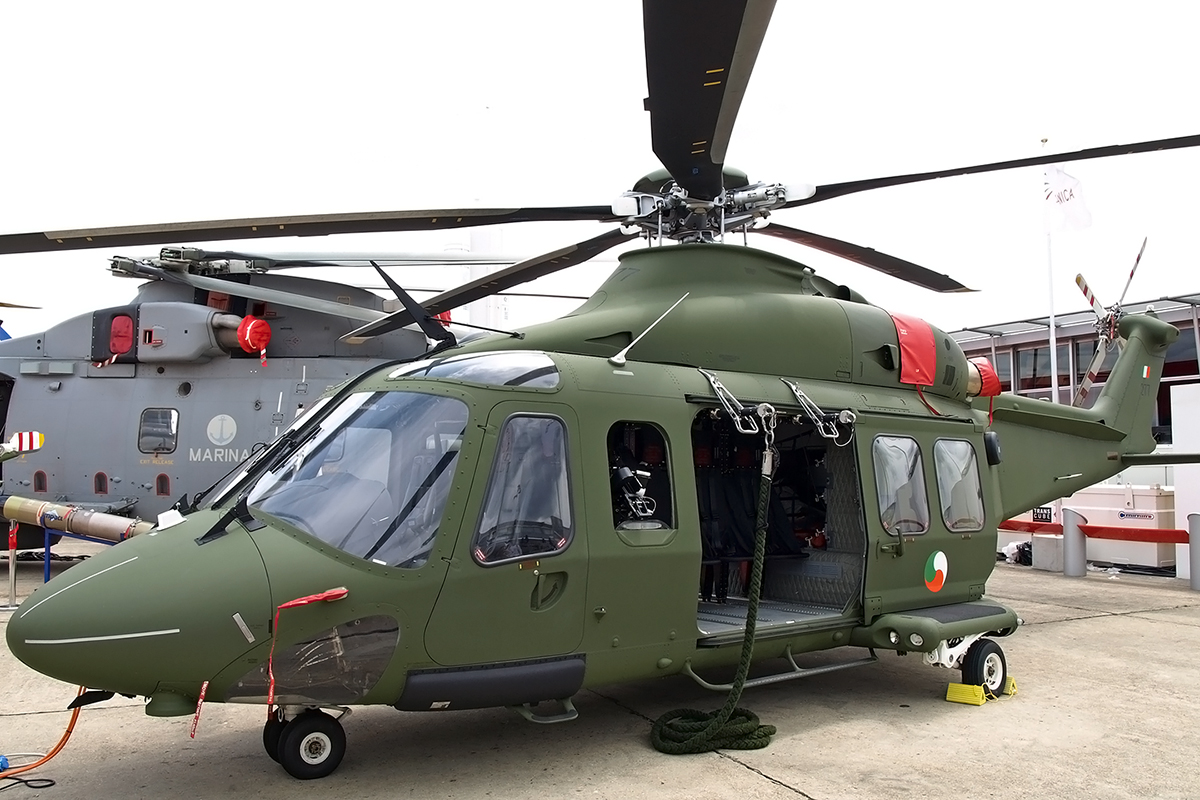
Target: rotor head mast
671,213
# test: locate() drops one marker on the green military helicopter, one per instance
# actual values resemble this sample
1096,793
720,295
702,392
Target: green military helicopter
719,453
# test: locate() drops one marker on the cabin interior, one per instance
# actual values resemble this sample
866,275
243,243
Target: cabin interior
816,540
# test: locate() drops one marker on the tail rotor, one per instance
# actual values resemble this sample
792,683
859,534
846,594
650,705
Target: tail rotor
1107,320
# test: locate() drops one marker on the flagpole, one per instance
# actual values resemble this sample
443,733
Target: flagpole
1053,332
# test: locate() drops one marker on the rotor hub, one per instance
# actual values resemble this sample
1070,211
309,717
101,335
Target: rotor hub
662,209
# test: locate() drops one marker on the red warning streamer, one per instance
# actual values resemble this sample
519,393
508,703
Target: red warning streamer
326,596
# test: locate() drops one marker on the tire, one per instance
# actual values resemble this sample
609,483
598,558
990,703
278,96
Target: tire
984,665
272,731
312,746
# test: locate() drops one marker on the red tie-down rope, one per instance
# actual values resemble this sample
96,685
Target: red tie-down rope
326,596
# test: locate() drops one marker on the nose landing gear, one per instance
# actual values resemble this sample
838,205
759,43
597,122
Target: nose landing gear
310,745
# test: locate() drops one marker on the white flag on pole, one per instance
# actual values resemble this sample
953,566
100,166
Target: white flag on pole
1063,207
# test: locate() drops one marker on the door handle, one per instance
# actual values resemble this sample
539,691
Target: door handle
548,588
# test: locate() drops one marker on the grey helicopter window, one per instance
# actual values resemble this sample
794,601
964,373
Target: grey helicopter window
959,491
373,478
526,369
527,511
158,430
900,485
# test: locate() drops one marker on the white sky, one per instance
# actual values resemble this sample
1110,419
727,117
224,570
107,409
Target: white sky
122,113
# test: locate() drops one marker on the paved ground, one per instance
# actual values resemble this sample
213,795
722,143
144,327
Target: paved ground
1108,695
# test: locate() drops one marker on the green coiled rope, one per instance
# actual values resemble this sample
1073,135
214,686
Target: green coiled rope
686,730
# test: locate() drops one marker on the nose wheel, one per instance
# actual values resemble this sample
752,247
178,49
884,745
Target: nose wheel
272,732
309,746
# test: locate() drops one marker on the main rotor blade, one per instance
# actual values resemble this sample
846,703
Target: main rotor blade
290,260
699,56
428,325
832,190
304,225
520,273
896,267
289,299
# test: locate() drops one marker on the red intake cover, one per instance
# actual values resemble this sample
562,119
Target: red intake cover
253,334
918,351
991,381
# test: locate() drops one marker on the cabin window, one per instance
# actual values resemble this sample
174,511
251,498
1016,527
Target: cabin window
39,481
900,485
373,478
158,430
527,509
162,485
959,490
640,479
100,483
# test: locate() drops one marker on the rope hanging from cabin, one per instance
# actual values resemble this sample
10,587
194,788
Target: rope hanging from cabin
686,730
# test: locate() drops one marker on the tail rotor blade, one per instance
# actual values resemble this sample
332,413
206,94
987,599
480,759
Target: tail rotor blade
1089,377
1091,298
1136,261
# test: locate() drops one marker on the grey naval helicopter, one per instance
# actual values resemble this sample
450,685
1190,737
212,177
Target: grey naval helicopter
719,458
184,397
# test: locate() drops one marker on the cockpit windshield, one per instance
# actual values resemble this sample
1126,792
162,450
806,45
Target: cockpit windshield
373,478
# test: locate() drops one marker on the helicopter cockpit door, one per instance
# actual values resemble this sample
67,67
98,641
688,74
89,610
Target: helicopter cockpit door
923,506
517,584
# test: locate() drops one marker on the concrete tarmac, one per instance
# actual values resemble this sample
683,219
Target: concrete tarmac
1108,692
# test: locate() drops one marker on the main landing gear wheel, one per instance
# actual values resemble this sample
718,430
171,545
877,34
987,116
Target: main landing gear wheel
984,665
272,732
312,745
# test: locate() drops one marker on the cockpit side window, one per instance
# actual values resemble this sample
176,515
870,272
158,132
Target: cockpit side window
527,510
640,478
959,491
373,480
900,485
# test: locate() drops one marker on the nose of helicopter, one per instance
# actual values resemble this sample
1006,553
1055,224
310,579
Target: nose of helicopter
155,609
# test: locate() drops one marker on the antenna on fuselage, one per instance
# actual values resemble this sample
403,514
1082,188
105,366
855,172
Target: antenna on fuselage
618,360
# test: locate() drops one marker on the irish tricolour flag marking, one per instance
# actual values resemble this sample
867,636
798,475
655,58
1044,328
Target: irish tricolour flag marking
935,571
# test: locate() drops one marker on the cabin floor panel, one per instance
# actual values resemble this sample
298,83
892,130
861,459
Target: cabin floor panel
718,619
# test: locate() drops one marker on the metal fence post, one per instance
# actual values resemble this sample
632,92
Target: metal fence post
1194,549
12,568
1074,544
